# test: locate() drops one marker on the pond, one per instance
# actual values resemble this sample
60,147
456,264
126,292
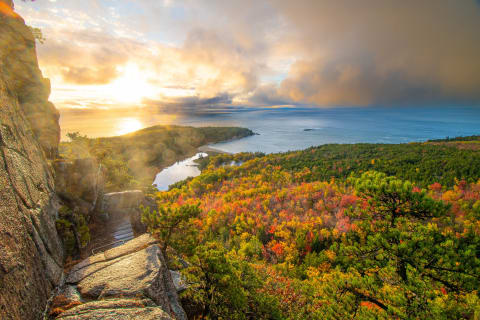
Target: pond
178,172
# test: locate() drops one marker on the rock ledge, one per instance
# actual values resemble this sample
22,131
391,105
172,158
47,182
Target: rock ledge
127,282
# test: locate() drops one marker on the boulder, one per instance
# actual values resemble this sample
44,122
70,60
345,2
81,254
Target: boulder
85,267
178,281
79,183
136,269
67,298
127,202
121,201
116,309
71,294
136,273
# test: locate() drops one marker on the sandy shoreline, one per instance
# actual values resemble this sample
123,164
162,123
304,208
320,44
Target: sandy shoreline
210,150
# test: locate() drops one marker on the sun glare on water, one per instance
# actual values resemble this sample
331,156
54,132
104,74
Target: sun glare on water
128,125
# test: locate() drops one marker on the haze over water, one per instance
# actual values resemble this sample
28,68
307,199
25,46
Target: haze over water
283,129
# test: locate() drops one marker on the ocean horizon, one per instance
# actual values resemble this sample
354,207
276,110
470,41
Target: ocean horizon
286,129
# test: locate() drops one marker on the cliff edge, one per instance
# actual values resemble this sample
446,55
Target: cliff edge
31,255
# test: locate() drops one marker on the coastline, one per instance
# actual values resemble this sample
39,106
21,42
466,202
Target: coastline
212,151
142,154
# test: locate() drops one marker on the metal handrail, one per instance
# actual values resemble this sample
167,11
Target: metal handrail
107,245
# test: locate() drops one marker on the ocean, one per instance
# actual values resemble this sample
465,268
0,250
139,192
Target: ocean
284,129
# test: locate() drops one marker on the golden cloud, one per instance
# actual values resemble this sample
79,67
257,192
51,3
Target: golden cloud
319,52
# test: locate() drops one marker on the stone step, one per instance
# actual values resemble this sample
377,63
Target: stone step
125,237
122,235
119,231
122,228
124,275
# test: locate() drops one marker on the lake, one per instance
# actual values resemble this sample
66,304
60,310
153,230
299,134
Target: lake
178,172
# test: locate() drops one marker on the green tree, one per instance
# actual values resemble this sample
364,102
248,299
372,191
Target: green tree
73,136
38,34
403,257
73,230
172,226
226,287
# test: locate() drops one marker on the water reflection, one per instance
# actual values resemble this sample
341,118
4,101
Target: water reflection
293,129
107,123
178,172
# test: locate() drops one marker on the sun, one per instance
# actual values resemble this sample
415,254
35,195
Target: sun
128,125
131,87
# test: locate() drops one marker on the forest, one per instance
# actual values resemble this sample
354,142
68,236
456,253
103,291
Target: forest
133,160
363,231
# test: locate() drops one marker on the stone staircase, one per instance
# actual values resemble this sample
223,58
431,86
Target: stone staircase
115,233
117,228
124,231
124,276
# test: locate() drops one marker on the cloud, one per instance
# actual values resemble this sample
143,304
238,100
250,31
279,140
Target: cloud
385,53
85,75
206,62
191,105
269,95
199,54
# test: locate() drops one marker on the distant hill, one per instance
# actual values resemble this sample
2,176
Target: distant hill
448,139
469,142
133,159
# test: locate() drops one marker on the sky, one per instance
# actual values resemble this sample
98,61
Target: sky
183,55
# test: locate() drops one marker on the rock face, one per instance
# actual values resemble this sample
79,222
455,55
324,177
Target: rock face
128,202
121,201
8,2
31,255
19,66
121,276
79,183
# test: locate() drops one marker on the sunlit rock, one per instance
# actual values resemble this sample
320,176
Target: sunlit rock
136,269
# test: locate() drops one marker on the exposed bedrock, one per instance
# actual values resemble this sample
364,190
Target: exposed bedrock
31,255
127,274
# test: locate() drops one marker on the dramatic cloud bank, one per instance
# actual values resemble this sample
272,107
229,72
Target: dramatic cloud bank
182,55
386,52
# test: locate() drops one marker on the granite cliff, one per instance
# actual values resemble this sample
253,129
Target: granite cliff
130,281
31,255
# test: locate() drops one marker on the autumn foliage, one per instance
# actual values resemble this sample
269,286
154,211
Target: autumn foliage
367,246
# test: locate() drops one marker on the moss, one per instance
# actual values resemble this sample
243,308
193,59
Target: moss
64,228
66,222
